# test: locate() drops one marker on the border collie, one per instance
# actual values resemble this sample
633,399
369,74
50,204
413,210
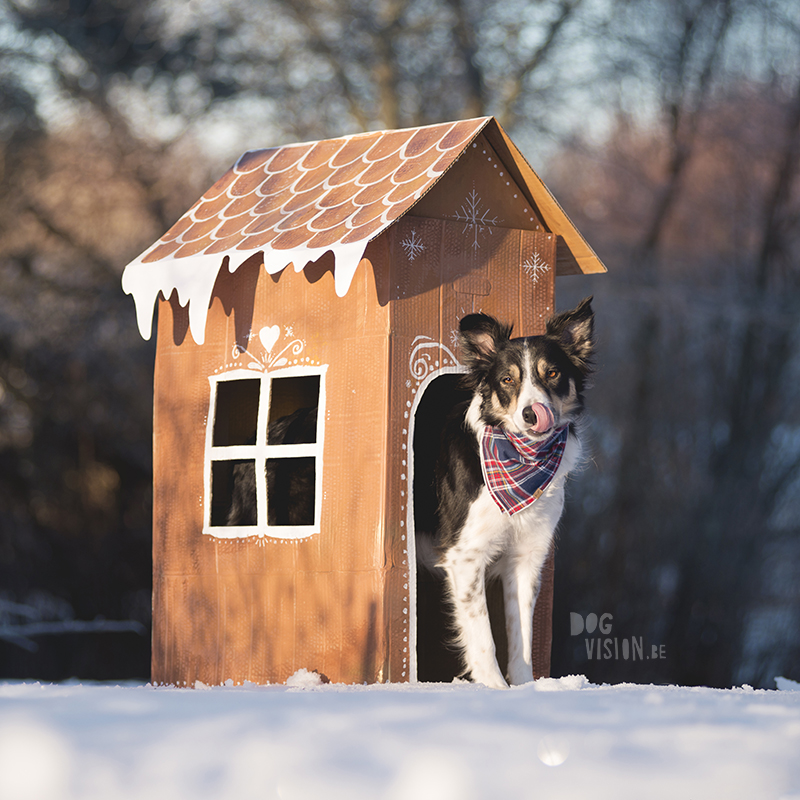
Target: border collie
500,476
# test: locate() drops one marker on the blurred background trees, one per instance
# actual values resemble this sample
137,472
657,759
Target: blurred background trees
669,130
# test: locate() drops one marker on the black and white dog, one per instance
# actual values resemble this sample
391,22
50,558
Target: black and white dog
500,476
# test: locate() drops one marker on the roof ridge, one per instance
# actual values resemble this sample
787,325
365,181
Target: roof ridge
356,134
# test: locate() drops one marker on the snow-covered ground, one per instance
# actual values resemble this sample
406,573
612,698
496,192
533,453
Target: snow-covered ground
557,738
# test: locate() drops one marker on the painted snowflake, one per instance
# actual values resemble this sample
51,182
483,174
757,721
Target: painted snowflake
534,267
475,217
412,244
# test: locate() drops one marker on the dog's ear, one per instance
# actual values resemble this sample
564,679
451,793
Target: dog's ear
481,336
574,332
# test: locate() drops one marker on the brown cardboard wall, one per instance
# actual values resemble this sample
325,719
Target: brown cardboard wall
261,608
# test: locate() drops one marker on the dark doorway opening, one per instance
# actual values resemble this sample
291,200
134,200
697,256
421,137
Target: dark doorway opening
436,659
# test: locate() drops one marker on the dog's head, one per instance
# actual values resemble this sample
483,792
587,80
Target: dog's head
531,385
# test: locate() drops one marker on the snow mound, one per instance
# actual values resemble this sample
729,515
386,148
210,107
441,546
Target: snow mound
567,683
303,679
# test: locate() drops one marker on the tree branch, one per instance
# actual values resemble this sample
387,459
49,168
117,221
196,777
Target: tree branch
515,84
467,45
304,13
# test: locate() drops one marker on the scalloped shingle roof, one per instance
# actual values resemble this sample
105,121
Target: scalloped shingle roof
318,194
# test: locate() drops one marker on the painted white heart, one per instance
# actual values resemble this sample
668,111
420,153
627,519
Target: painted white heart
269,336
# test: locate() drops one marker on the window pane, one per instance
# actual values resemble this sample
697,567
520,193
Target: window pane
236,415
293,410
233,493
291,487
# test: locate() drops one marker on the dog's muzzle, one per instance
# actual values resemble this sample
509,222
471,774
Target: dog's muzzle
538,417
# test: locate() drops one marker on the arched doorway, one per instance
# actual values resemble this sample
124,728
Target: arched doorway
436,661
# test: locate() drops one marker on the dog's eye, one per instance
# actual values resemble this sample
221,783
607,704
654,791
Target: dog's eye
552,374
508,380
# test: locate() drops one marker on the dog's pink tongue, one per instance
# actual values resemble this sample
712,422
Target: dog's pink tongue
544,418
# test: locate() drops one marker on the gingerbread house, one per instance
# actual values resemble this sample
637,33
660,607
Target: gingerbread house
307,309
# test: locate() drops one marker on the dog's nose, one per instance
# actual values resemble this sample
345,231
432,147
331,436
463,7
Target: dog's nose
529,415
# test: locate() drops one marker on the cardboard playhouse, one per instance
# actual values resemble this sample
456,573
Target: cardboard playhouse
306,351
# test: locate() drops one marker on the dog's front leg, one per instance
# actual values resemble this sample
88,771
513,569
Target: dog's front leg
521,573
466,575
520,589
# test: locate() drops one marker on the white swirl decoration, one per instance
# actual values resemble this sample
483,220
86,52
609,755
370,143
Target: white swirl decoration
424,358
296,347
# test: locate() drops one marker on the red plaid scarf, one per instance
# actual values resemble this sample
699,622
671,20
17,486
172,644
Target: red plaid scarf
516,469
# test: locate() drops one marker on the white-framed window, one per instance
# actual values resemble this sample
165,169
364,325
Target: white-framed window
263,454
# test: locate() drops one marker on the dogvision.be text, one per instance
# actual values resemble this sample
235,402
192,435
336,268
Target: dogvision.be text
606,647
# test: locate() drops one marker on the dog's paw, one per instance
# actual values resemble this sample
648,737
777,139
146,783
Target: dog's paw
491,678
517,675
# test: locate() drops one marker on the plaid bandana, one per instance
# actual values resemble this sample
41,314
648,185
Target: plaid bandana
517,470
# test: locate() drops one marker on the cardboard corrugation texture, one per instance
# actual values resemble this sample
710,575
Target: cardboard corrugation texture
339,601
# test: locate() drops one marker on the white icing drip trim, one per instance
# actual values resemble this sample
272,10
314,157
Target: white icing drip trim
346,260
193,277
